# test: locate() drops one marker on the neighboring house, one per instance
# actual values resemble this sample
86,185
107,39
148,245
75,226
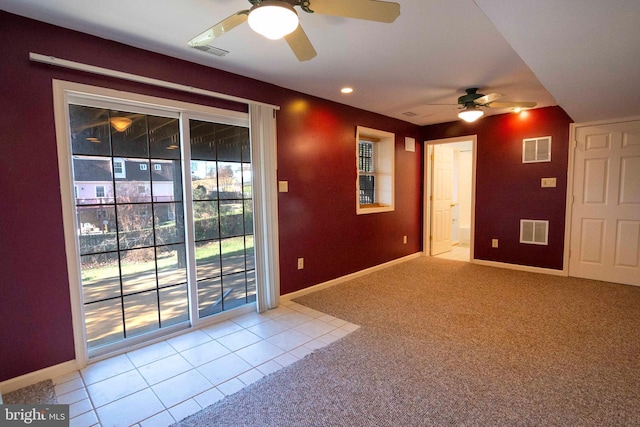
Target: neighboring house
135,180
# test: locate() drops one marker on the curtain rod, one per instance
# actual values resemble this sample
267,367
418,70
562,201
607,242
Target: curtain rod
51,60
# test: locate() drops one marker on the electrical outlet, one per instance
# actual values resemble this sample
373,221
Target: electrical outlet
404,240
494,243
300,263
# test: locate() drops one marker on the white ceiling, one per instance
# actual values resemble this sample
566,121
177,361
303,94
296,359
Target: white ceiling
583,55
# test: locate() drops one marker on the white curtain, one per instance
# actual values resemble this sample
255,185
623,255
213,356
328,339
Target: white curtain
265,205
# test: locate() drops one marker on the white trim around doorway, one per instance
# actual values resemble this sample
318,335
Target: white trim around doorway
427,189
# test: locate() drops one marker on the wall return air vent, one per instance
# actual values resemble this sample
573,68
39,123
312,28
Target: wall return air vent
536,150
534,232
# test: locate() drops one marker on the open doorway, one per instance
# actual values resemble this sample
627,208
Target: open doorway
449,197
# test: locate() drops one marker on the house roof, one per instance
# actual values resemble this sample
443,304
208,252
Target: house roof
97,169
581,55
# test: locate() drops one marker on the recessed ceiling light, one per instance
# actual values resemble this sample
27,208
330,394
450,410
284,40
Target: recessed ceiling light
346,90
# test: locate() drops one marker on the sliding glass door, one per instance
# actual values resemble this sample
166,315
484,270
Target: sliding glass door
130,170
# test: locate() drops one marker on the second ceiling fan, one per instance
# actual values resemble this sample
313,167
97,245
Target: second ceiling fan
276,19
473,100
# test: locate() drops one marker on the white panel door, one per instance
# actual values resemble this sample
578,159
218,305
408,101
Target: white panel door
442,193
605,221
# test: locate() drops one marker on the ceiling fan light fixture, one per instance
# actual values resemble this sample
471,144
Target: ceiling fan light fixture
273,19
120,123
470,114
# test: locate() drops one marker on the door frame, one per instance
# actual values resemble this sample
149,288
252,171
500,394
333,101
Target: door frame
266,224
426,226
573,127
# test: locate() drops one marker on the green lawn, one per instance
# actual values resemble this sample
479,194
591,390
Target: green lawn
167,261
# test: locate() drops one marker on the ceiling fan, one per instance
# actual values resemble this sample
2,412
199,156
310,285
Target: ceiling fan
276,19
472,101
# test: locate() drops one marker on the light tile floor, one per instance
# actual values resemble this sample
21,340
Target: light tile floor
169,380
457,253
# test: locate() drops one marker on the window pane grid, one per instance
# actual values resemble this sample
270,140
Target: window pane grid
366,175
130,215
375,153
221,182
366,156
367,190
133,246
129,212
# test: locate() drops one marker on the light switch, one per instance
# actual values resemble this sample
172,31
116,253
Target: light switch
548,182
283,186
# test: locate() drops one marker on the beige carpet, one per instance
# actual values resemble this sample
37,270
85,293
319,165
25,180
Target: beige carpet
41,393
451,343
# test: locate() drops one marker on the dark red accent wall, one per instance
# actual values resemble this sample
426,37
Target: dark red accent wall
318,160
508,190
316,155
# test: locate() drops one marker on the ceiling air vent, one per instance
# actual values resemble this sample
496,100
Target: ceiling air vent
410,114
212,50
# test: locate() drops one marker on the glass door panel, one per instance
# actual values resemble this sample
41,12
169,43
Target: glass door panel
129,207
223,219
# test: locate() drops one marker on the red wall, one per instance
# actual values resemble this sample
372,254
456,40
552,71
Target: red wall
317,157
316,154
508,190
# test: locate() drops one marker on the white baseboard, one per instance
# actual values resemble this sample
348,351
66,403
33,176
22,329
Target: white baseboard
37,376
520,267
333,282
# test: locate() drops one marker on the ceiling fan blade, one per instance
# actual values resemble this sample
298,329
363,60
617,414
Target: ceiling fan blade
485,99
220,28
370,10
511,104
300,44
